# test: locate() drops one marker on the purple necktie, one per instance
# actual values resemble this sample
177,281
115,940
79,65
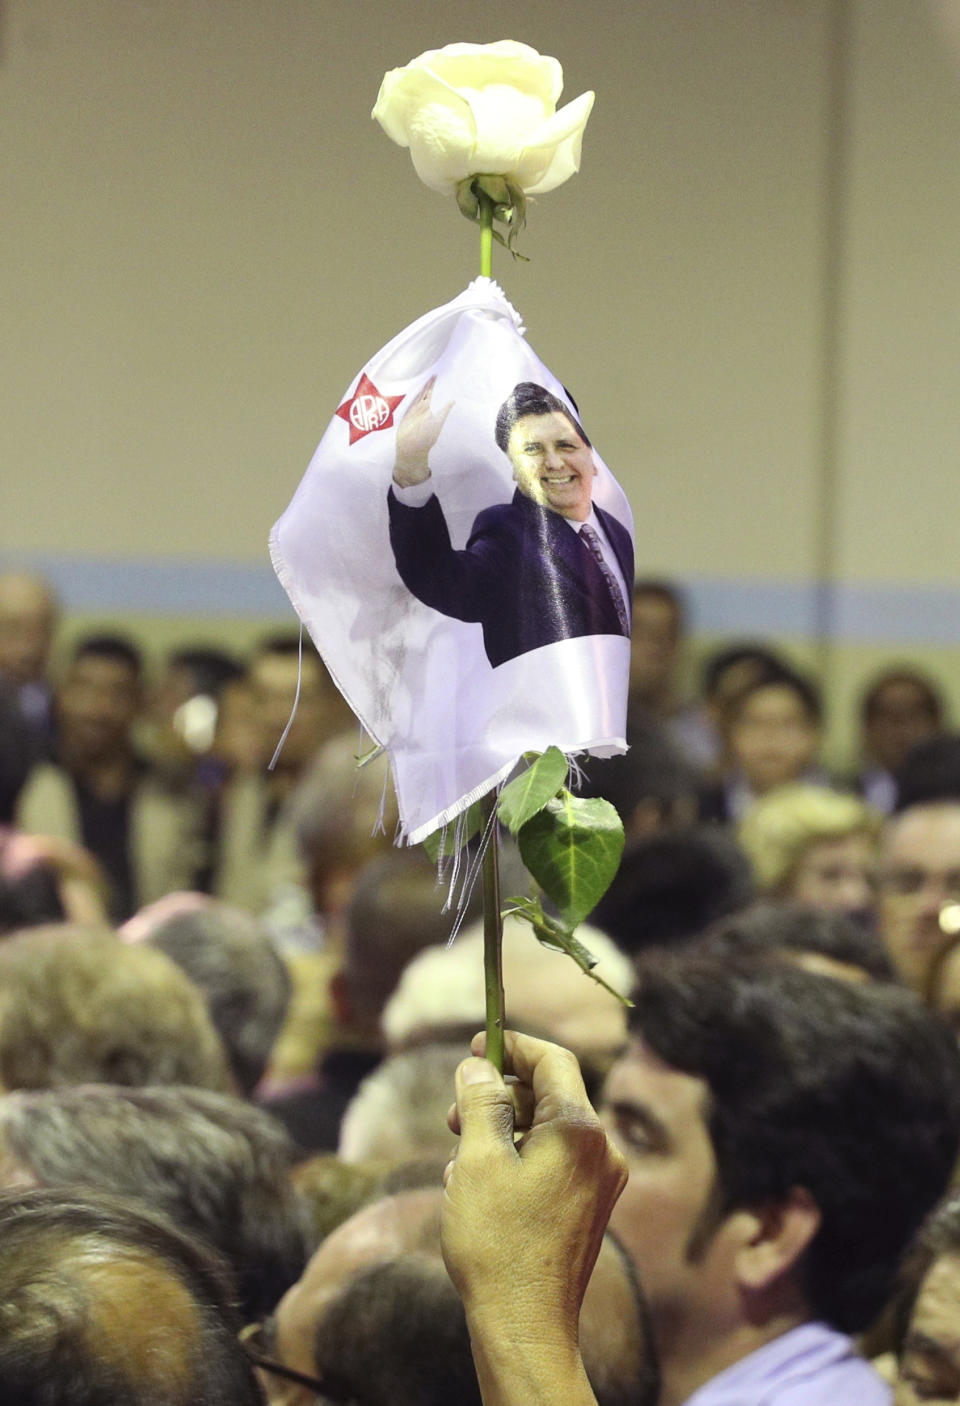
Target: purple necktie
588,535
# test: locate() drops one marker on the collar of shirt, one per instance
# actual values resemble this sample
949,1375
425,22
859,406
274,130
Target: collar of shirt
811,1365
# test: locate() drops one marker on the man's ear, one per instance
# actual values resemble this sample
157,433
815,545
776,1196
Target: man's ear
783,1231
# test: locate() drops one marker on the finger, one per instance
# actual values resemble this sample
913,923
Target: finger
441,415
523,1109
426,391
549,1070
448,1171
484,1108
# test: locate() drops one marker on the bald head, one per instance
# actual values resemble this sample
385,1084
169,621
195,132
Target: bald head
105,1303
28,616
376,1311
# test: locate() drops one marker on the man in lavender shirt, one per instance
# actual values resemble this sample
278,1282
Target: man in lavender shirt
785,1134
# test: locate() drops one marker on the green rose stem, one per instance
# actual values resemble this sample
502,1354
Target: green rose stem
486,233
492,932
492,921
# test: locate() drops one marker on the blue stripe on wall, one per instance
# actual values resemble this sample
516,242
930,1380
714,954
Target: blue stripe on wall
886,613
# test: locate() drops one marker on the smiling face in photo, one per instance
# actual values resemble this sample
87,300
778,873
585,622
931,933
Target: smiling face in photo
551,464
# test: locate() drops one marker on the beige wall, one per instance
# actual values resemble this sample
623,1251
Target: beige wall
751,288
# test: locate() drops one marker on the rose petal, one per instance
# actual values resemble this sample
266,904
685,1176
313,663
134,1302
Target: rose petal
552,156
404,91
505,62
506,121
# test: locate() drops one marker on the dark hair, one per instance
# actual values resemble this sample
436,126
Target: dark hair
211,669
771,925
930,773
667,592
931,698
799,685
848,1090
672,886
230,955
396,1335
27,896
117,648
527,398
715,665
654,769
938,1237
218,1167
54,1249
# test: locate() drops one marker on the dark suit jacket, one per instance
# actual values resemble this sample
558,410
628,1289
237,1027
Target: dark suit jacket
524,575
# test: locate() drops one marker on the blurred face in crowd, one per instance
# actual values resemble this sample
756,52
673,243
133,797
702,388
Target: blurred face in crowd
919,877
27,619
666,1216
273,687
943,993
836,875
773,739
930,1363
97,706
238,738
654,643
900,716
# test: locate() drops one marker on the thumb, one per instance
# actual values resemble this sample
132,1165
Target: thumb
484,1107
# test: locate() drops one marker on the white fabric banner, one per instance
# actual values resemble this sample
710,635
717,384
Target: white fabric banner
463,560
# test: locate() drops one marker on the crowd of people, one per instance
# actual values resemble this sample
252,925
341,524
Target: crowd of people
232,1027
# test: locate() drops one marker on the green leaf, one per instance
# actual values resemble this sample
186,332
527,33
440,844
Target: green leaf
550,933
529,792
572,847
450,839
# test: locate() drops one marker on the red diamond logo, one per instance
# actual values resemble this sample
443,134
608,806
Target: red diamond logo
367,410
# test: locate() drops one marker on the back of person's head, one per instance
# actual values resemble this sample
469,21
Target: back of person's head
779,827
848,1091
930,773
29,893
217,1166
651,787
231,957
440,996
816,938
387,1328
77,1006
672,886
105,1304
396,1335
399,1111
343,815
396,910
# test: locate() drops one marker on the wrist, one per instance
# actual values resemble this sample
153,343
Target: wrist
517,1367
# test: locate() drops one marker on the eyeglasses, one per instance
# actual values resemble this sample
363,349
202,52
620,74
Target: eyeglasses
257,1341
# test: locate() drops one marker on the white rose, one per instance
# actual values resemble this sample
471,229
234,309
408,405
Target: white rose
484,109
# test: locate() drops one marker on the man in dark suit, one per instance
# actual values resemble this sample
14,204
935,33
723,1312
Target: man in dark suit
548,566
